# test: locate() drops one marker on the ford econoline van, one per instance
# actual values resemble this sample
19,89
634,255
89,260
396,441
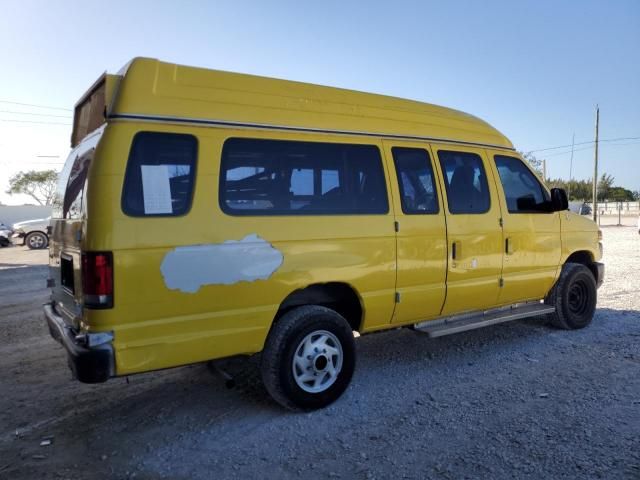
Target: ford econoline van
203,214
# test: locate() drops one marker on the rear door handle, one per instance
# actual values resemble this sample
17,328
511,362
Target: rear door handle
508,246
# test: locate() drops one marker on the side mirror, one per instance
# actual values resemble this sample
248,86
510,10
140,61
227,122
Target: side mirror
559,200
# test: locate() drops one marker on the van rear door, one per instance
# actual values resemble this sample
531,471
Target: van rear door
67,228
421,232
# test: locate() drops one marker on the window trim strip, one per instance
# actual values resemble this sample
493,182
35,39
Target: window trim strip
286,128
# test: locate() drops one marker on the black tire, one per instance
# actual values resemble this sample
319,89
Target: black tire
36,241
286,340
574,295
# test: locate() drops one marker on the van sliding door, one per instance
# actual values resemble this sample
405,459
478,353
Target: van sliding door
421,232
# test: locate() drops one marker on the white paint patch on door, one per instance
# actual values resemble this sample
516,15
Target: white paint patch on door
247,260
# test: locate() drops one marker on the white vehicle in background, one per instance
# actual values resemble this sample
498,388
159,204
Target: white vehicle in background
32,233
5,235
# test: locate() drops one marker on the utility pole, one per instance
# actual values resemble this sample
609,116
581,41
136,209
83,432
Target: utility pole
595,170
544,171
573,139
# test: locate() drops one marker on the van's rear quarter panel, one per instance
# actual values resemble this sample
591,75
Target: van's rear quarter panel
157,327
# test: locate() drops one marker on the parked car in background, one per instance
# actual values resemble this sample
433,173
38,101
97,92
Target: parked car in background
581,208
5,235
32,233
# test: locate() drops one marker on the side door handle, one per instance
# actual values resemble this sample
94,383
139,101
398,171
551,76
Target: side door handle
508,246
455,250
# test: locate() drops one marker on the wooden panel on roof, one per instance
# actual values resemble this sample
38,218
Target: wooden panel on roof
90,111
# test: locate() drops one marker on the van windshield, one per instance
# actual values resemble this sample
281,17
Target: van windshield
69,198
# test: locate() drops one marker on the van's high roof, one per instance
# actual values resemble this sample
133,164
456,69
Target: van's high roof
148,89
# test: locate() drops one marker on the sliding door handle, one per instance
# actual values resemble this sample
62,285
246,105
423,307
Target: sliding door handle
508,246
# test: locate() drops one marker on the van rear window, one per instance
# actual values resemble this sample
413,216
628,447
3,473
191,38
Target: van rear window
275,177
160,174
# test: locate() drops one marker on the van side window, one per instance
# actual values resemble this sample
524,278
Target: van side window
465,181
415,179
72,206
160,174
275,177
522,190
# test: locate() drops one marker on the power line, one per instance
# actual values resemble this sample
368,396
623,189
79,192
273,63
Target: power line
584,143
568,151
29,162
589,148
30,121
36,114
34,105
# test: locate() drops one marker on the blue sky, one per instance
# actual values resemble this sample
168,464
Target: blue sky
533,69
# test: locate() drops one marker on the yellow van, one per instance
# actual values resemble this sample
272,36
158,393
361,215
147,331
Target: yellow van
203,214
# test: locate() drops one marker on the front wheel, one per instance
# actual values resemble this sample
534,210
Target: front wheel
36,240
309,358
574,296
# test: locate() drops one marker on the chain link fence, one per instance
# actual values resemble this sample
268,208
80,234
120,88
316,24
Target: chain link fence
617,213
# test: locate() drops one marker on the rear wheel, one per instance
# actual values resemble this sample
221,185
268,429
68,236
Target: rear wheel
574,296
309,358
36,240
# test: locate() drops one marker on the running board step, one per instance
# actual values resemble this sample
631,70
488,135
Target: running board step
470,321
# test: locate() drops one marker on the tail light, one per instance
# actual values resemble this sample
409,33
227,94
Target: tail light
97,279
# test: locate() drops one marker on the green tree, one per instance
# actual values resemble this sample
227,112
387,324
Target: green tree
604,186
535,163
620,194
576,189
39,185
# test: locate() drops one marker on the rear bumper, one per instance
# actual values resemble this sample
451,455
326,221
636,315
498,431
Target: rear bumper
600,268
89,365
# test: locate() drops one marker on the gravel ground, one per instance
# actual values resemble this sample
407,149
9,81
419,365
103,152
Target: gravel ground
518,400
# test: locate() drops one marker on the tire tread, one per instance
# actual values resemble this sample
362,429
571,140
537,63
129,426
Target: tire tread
559,318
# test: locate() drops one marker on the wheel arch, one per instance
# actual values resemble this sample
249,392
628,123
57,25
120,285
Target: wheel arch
36,231
339,296
586,258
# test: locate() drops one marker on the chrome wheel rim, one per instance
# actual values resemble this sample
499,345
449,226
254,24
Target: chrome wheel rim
36,241
317,361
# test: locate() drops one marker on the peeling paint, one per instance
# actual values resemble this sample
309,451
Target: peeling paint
189,268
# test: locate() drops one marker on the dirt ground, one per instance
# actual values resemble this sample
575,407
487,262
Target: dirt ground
518,400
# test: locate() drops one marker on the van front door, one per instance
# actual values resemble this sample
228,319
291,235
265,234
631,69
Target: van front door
421,233
531,231
473,229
